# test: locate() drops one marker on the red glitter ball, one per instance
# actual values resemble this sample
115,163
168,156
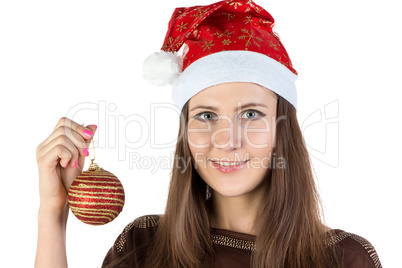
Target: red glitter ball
96,196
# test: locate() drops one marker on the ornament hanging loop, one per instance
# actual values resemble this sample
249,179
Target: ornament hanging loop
93,148
93,165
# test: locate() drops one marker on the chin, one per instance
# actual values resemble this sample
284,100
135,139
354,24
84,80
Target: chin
231,192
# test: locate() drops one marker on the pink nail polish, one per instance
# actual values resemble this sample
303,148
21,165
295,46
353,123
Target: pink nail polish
86,153
88,133
76,163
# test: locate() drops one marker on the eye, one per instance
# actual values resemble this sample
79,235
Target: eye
252,114
204,116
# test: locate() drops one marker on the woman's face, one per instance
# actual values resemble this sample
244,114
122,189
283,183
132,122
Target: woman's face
232,124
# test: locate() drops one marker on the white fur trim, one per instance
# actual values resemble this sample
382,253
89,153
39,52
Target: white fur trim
235,66
162,68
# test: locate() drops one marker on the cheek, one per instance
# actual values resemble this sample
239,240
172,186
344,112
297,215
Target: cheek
199,136
259,139
260,136
198,140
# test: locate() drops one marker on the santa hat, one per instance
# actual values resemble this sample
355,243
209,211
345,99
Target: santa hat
228,41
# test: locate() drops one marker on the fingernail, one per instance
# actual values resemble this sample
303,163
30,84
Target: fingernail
66,165
88,133
86,153
76,163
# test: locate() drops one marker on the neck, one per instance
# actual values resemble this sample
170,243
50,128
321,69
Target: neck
238,213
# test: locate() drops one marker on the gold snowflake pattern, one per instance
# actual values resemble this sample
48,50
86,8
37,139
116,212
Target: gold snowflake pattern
257,9
171,44
207,45
251,38
200,13
229,16
262,21
274,46
275,35
226,33
226,42
235,4
254,6
182,14
181,27
248,20
280,60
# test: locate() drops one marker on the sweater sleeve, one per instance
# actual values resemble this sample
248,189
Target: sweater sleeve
131,245
357,252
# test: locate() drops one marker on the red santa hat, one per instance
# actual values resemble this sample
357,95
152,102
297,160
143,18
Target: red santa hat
228,41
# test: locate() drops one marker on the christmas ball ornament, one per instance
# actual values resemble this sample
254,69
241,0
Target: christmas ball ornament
96,196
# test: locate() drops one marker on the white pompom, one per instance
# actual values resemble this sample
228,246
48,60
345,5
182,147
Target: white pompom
162,68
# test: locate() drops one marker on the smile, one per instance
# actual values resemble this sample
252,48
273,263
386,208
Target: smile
227,164
227,167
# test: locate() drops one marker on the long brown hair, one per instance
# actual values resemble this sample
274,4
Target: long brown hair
290,229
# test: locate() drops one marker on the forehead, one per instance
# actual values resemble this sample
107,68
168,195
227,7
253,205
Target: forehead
229,94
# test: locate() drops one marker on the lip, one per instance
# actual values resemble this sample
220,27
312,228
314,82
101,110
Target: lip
217,160
228,169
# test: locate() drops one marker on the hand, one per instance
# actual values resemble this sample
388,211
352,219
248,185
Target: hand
60,159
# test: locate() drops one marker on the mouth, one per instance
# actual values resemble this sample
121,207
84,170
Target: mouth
228,166
225,163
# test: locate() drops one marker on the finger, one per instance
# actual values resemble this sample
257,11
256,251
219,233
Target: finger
73,140
86,133
75,137
73,145
64,121
68,127
93,128
54,153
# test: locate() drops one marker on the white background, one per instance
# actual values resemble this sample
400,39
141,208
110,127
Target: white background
57,58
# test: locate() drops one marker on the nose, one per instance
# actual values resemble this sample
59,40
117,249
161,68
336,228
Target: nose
228,134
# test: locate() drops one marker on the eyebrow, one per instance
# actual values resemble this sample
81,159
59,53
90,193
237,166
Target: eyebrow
247,105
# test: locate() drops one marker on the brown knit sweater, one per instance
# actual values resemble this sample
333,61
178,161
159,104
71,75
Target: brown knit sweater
233,249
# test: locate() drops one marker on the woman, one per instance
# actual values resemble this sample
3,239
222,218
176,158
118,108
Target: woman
247,198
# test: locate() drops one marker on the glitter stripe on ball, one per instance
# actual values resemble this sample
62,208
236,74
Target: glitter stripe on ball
96,196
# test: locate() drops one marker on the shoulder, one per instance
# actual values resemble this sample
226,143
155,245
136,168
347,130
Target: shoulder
139,230
135,238
356,250
143,222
